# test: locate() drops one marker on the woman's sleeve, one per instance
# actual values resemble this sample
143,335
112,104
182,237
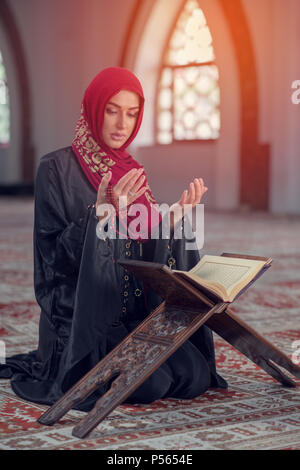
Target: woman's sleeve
58,241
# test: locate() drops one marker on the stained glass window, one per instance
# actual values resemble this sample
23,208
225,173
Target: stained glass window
4,107
188,100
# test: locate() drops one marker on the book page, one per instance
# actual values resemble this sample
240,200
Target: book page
226,271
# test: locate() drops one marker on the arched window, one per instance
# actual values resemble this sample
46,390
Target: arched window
188,97
4,107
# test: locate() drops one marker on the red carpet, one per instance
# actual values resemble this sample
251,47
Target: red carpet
254,413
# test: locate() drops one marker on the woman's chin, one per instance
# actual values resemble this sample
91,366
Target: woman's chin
114,144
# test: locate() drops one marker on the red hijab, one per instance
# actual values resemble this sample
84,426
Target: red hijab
94,156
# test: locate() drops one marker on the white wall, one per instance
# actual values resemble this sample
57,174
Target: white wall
275,30
285,190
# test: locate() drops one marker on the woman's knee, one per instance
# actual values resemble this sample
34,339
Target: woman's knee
154,388
200,384
191,371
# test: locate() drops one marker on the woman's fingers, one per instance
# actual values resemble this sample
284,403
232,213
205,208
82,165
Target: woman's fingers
122,183
183,198
102,188
191,195
137,195
198,190
137,185
129,186
199,186
131,182
203,187
195,193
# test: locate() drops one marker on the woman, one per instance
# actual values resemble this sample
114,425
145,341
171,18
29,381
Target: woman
89,302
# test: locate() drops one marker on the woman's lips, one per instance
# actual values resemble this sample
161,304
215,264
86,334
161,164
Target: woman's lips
118,137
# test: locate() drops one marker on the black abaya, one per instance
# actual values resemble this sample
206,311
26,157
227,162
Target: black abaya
89,303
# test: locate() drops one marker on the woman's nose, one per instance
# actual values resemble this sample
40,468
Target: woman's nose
121,122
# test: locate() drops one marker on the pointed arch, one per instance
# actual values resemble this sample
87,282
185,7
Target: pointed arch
19,74
188,94
4,106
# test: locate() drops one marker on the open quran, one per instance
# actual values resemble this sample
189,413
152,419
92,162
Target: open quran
224,277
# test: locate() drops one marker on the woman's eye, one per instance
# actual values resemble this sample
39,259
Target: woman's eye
114,111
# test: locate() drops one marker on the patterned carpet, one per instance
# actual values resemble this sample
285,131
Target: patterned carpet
254,413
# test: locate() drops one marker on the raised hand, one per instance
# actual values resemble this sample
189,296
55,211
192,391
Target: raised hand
194,194
126,191
192,197
128,188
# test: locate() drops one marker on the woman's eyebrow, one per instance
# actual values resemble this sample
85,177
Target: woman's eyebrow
114,104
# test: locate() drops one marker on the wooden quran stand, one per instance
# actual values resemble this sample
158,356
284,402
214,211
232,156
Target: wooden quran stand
184,310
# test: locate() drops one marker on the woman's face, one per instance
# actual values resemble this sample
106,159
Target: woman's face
120,117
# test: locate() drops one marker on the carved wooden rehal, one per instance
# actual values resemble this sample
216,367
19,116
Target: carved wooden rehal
184,310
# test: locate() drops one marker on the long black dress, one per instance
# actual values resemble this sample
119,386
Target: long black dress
89,302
